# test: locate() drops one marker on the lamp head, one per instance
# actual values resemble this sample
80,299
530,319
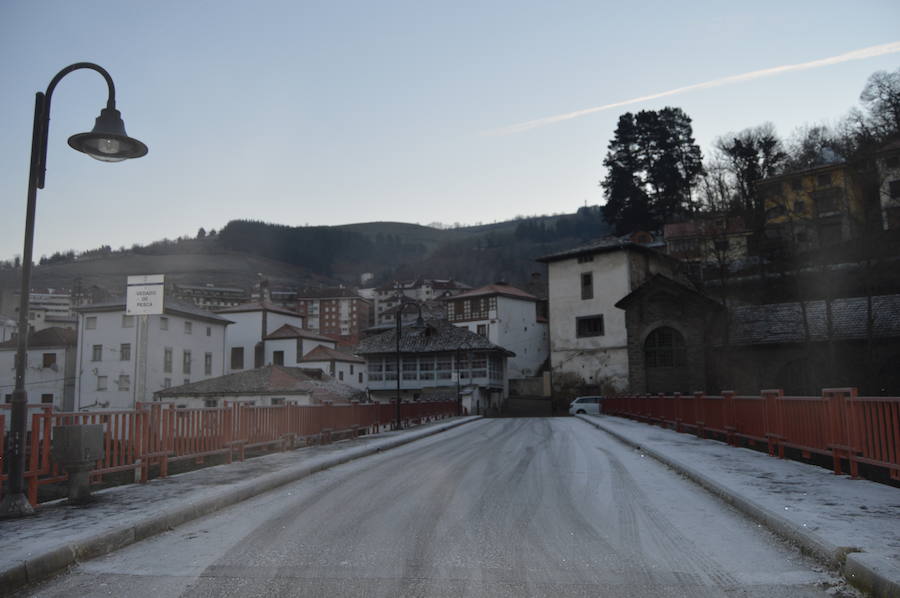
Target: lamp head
108,141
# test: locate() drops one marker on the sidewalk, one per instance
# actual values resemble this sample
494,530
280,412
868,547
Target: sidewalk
33,548
852,524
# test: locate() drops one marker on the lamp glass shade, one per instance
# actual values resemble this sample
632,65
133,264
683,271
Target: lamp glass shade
108,141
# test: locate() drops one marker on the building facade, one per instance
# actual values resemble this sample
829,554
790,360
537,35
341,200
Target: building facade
588,336
813,208
210,296
50,373
251,323
343,367
508,317
336,312
287,345
437,357
122,359
389,296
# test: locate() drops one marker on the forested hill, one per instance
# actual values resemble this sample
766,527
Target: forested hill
310,256
476,255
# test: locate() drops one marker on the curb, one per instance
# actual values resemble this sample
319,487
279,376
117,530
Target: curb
860,569
41,566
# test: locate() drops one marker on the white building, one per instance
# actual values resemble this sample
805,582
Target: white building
209,296
421,290
124,359
343,367
587,332
438,361
251,323
8,327
508,317
48,308
50,374
263,387
287,345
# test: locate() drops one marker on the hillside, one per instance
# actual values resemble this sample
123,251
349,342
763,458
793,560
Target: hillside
218,267
304,256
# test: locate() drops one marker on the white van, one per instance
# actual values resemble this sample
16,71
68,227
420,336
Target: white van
586,405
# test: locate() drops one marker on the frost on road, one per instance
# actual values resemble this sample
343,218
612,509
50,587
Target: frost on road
514,507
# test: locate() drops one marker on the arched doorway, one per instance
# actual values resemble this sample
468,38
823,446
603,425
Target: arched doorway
665,361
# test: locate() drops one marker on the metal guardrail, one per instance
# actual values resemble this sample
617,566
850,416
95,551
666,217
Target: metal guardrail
838,424
156,434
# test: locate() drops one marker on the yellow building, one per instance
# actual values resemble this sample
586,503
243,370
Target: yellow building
813,208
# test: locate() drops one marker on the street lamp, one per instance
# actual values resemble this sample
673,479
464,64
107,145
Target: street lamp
419,323
107,142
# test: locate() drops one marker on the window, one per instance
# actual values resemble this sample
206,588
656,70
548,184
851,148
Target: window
775,212
828,200
376,367
90,322
893,162
47,398
164,323
167,383
237,358
341,375
589,326
483,330
49,360
824,180
124,382
479,365
894,189
360,377
277,401
210,403
278,357
186,362
127,321
410,366
209,331
797,185
101,382
351,369
207,364
664,348
125,352
587,285
187,381
97,353
167,360
188,327
585,258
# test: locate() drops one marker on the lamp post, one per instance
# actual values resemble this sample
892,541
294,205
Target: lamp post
419,323
107,142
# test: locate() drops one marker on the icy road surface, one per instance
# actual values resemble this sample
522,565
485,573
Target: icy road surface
515,507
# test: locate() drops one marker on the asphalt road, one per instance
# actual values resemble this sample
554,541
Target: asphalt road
515,507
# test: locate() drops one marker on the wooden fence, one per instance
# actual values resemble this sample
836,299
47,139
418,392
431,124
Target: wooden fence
156,434
839,424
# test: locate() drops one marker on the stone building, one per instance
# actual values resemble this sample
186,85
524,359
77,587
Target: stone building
669,327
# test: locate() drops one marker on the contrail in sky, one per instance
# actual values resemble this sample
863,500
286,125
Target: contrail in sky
861,54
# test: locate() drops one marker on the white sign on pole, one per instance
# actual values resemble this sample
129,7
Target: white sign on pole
145,295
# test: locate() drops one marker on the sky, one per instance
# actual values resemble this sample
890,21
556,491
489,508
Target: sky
333,112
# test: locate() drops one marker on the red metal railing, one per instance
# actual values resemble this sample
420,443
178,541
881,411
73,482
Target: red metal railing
157,434
839,424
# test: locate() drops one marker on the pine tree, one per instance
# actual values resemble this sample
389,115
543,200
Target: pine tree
652,163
